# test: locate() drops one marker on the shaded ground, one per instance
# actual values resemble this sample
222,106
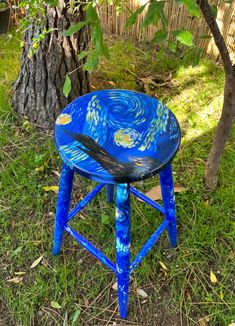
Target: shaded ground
74,289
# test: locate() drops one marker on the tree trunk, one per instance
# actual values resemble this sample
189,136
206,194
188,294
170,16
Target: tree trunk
228,112
222,132
39,87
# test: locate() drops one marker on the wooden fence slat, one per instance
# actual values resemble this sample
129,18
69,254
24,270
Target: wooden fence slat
178,18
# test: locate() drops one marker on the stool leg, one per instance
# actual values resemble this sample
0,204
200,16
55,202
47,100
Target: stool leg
123,245
109,192
62,209
168,198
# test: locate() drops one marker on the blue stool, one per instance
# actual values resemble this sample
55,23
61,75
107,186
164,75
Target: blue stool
116,137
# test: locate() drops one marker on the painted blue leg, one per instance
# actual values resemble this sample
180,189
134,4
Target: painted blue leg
123,245
62,209
109,192
168,198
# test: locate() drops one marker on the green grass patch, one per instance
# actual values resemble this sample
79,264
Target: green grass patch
74,288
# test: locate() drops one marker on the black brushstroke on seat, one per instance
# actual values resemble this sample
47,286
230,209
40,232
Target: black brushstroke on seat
137,168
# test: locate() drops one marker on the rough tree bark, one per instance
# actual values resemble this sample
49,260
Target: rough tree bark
227,118
39,88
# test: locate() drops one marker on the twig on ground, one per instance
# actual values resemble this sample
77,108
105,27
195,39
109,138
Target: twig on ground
89,314
100,295
48,311
112,316
99,313
182,301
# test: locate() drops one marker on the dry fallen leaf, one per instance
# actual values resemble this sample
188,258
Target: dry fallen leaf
13,224
202,322
141,293
57,173
188,295
40,168
51,188
86,301
163,266
17,132
20,273
36,262
112,83
213,278
114,286
156,194
37,242
179,188
15,279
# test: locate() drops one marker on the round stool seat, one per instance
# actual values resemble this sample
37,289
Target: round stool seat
117,136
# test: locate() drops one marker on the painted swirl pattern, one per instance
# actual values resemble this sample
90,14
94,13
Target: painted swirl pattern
117,135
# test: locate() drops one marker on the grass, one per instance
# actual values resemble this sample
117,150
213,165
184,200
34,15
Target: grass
73,288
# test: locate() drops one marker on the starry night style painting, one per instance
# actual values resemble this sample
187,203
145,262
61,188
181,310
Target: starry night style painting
116,136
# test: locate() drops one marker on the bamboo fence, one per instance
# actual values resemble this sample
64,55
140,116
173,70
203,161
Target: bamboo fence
178,18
